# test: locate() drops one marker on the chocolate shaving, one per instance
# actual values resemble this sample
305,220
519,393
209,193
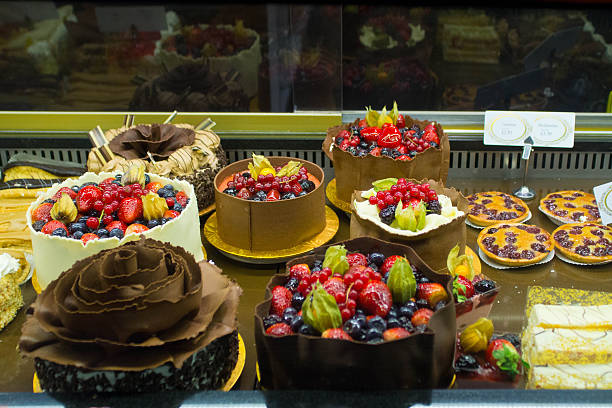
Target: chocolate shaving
158,140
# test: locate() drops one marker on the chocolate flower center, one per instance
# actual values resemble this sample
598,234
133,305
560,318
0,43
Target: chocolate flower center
158,140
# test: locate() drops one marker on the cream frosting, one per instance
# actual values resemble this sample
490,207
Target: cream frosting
8,265
432,221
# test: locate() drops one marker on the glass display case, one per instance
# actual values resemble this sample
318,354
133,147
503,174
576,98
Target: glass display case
271,79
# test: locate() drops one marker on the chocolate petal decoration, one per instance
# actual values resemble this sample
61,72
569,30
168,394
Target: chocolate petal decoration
133,307
159,140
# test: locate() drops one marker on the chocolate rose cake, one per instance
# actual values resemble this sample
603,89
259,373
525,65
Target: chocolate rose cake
141,317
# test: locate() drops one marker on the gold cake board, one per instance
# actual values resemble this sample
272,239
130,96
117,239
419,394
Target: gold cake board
227,387
332,223
207,210
332,196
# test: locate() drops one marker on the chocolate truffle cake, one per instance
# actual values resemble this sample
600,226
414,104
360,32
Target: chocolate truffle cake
141,317
173,151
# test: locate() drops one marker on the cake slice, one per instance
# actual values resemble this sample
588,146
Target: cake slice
567,346
570,376
571,316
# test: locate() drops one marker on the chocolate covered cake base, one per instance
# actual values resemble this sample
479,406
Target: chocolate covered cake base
207,369
203,181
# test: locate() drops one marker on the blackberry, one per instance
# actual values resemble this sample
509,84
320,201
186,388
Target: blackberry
288,196
376,258
466,363
434,207
387,214
292,284
484,285
230,191
307,185
37,225
59,232
270,320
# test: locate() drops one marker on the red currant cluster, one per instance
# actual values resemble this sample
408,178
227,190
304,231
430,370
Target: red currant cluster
269,187
408,192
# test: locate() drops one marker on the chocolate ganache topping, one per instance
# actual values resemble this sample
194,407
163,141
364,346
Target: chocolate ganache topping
131,308
159,140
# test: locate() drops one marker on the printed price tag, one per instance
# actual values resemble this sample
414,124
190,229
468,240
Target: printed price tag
603,195
547,129
121,19
18,11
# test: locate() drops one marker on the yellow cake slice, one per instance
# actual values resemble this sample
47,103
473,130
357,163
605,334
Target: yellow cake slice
567,346
570,376
571,317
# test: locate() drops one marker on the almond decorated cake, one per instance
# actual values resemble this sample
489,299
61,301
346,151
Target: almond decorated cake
142,317
584,242
492,207
571,206
515,244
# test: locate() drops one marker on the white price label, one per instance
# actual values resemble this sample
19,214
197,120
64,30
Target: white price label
603,195
547,129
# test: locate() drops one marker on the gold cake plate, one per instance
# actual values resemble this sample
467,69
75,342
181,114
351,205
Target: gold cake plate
332,224
332,196
38,289
207,210
227,387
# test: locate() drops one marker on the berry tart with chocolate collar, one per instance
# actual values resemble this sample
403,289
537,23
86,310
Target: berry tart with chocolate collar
570,206
586,242
492,207
364,300
513,244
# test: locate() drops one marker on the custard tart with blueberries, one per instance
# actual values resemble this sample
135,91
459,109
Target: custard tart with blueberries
584,242
493,207
571,206
515,244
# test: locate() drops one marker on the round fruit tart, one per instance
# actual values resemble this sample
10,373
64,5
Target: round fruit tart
269,203
81,217
570,206
344,297
514,244
585,242
492,207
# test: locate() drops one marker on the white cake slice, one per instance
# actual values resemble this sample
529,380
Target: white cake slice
571,317
570,376
567,346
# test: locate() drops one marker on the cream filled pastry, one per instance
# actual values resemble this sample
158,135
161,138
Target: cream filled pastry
140,317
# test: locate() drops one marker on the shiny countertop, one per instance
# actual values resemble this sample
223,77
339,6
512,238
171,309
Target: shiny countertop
507,313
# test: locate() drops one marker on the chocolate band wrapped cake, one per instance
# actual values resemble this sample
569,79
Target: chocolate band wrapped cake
141,317
174,151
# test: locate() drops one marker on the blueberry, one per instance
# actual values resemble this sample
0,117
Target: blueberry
287,196
316,269
165,220
385,277
359,312
290,311
169,187
89,183
466,363
163,193
296,323
405,323
246,174
339,140
302,193
376,258
297,300
374,267
59,232
116,232
307,185
118,177
484,285
78,235
270,320
260,196
393,313
423,279
83,220
387,214
406,311
378,323
422,304
48,201
152,223
37,225
439,305
361,319
308,330
103,233
317,264
288,319
94,213
177,207
77,226
75,189
147,179
292,284
373,335
393,323
352,327
231,191
361,336
420,328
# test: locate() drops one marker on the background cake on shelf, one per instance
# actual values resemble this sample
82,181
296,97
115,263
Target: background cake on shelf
177,332
10,293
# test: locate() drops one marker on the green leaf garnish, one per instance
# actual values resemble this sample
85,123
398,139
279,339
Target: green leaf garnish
507,360
320,310
401,282
384,184
335,259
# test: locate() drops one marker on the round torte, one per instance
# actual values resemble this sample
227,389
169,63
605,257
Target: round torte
570,206
585,242
142,317
515,244
492,207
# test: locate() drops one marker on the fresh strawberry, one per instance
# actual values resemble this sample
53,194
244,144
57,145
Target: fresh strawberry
51,226
116,224
371,134
299,271
171,214
395,334
281,299
376,151
130,209
432,292
421,316
279,330
503,355
363,123
135,229
345,134
335,334
181,198
390,139
86,197
153,186
64,190
356,259
273,195
375,298
402,149
106,182
463,288
88,237
404,157
42,212
335,287
388,263
243,193
401,122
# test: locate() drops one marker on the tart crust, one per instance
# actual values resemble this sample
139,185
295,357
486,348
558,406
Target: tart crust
555,205
486,208
592,237
522,237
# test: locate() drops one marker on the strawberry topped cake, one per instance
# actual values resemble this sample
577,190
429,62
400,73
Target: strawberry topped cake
80,217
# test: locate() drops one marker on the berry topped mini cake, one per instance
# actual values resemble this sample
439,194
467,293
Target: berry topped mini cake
269,203
174,151
385,144
142,317
80,217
